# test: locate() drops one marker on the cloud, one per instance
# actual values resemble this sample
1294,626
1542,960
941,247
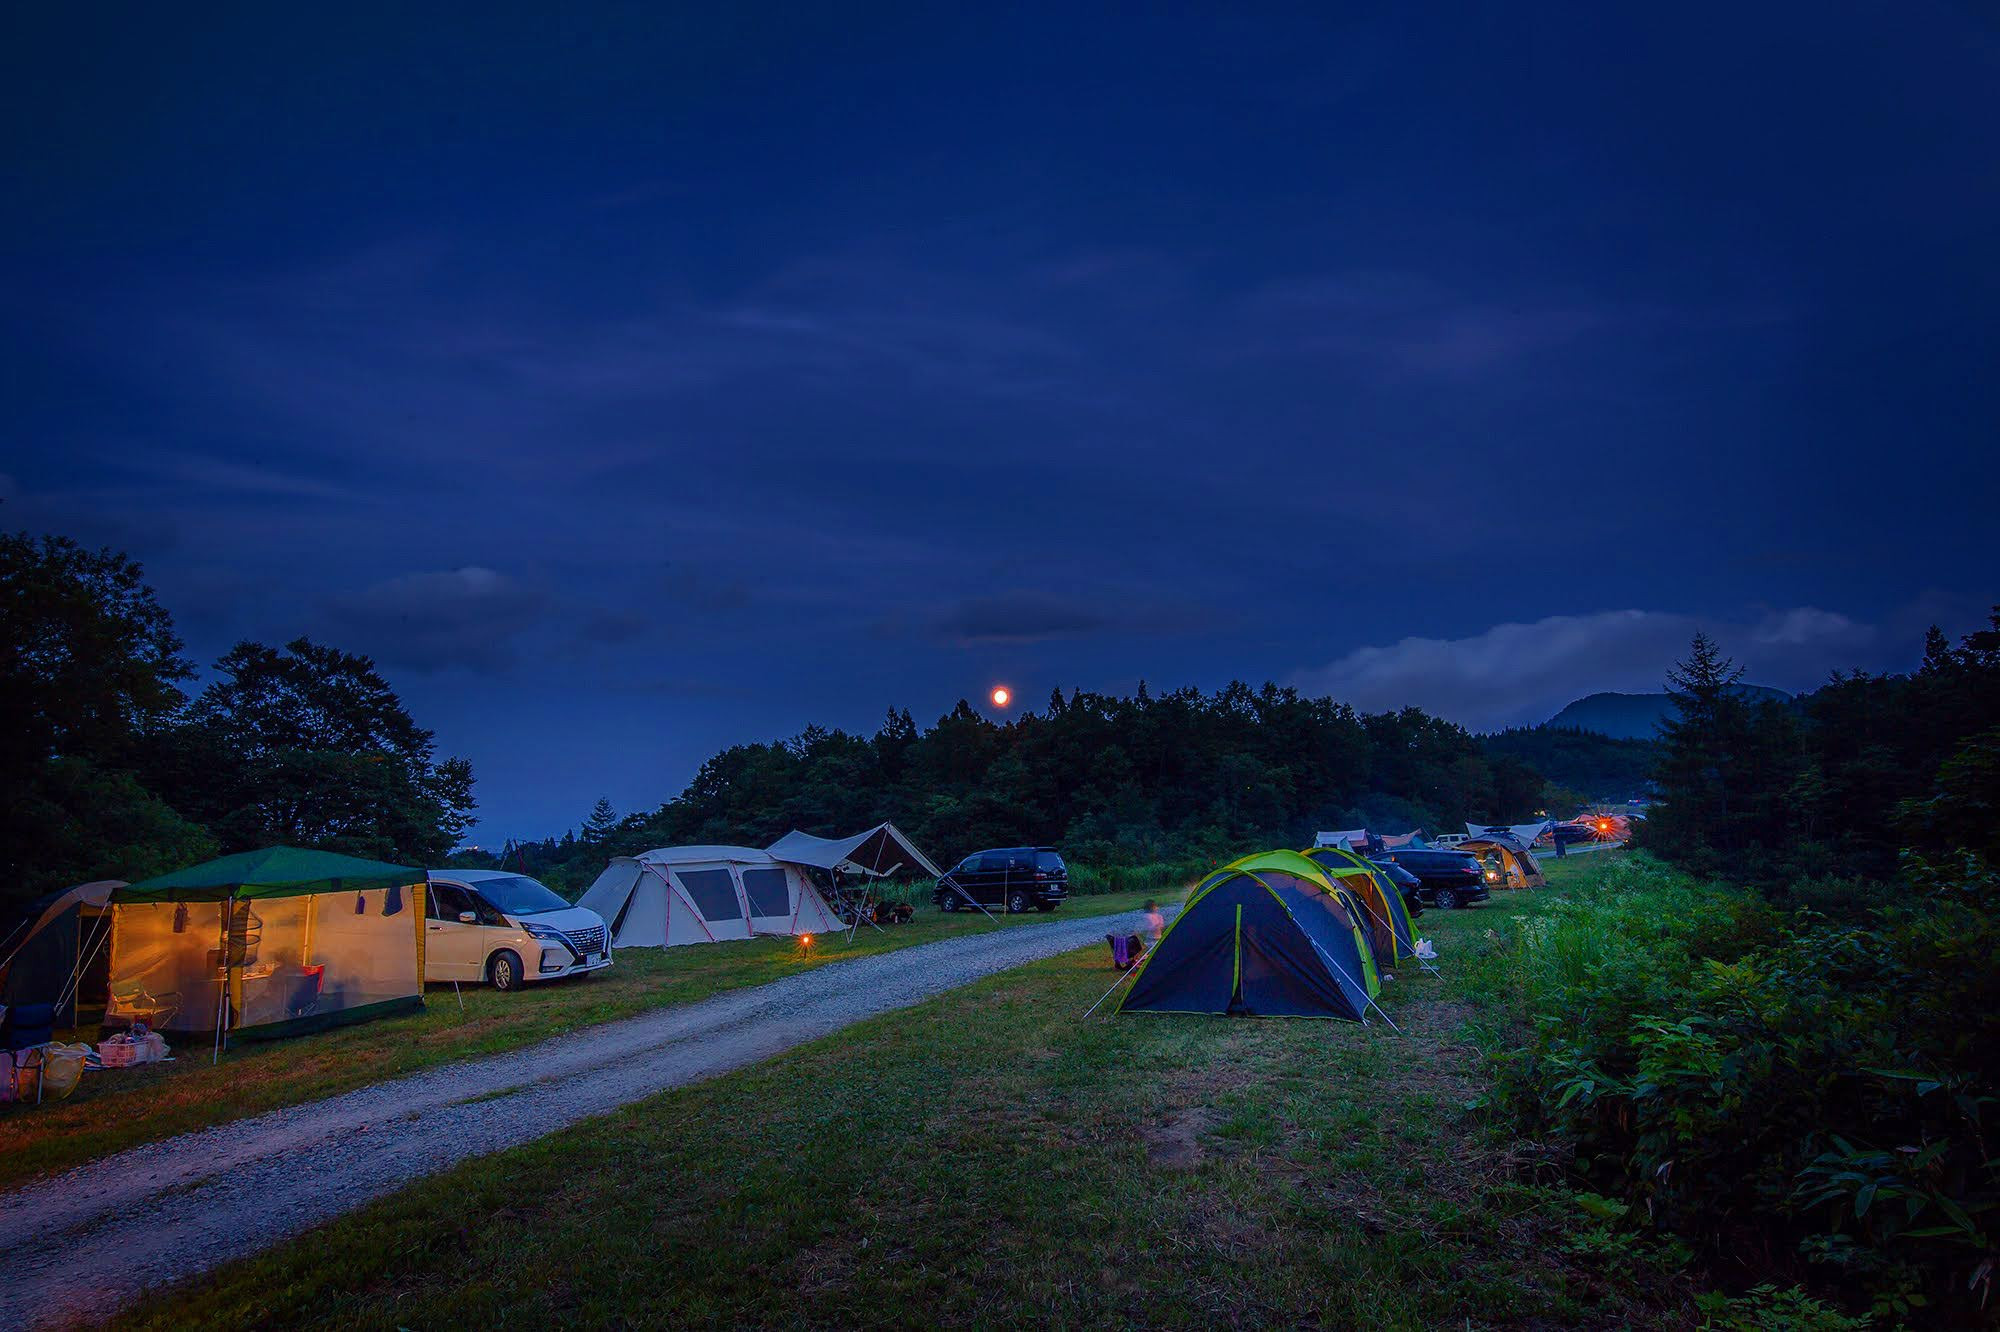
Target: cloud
1523,673
1017,617
466,618
1413,323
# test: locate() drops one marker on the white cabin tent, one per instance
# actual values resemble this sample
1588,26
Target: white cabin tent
704,894
877,853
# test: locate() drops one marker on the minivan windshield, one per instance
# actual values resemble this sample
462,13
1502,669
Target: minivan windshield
518,895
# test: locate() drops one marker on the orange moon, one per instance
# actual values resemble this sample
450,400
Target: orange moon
1002,696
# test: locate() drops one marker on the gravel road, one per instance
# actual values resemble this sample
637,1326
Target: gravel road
83,1245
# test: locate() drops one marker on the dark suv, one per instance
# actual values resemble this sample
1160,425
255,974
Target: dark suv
1445,879
1014,877
1406,883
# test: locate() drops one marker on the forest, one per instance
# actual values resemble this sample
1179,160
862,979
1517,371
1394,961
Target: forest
113,766
1113,780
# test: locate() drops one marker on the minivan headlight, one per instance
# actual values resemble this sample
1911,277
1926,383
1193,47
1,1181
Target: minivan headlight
548,932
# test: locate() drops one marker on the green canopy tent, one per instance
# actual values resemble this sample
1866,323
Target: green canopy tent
268,943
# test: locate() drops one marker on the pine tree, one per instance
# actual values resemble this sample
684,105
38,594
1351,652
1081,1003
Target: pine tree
603,818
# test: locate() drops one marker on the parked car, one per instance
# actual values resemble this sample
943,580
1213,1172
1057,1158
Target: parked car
507,930
1445,879
1409,884
1014,877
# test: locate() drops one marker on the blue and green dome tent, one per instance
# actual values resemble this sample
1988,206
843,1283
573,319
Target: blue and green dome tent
1267,936
1388,918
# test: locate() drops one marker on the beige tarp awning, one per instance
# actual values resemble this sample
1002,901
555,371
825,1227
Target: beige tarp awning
881,850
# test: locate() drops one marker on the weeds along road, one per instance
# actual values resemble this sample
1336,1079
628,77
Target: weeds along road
83,1245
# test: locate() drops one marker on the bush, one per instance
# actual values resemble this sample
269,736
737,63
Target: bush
1783,1092
1166,877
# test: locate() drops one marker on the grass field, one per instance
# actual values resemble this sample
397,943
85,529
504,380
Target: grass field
115,1110
992,1158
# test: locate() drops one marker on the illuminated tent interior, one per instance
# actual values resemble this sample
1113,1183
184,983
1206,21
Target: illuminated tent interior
268,943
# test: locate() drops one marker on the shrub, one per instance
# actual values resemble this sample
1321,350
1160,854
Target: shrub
1785,1093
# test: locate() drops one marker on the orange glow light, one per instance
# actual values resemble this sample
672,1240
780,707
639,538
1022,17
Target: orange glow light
1002,696
805,941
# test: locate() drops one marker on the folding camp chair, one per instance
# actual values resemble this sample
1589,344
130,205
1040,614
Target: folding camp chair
1126,950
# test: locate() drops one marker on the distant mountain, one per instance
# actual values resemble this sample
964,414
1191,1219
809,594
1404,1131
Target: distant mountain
1638,716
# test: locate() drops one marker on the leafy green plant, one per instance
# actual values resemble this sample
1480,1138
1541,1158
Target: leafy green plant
1787,1092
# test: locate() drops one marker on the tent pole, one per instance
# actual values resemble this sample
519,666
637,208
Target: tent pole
222,991
75,985
1359,986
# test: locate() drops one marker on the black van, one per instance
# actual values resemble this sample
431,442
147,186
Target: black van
1016,877
1445,879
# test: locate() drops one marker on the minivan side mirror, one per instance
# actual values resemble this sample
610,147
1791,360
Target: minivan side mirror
466,917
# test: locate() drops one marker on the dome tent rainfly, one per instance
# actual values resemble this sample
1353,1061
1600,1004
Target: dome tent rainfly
55,951
1388,925
1269,935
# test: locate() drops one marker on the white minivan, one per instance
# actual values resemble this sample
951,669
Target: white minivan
508,930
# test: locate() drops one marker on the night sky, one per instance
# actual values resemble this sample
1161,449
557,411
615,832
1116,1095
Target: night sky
638,383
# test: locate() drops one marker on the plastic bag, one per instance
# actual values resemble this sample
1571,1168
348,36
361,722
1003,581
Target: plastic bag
62,1069
1426,950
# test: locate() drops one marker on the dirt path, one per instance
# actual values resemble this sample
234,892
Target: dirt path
83,1245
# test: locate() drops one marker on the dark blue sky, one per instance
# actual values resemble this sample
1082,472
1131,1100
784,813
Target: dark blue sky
632,383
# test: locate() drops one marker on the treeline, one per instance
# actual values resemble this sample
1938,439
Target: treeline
110,768
1583,766
1112,780
1797,1080
1842,781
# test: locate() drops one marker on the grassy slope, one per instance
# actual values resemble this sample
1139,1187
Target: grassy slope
990,1158
116,1110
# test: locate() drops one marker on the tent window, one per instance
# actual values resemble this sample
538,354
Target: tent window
767,892
713,893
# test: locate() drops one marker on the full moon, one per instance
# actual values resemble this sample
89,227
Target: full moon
1002,696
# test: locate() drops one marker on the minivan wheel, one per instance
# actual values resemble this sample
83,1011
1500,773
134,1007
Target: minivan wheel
504,970
949,902
1017,902
1447,899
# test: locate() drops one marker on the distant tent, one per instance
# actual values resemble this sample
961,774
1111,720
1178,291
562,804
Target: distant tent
1389,932
881,851
1397,841
1527,834
706,894
1358,839
1508,863
1267,936
58,955
268,943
